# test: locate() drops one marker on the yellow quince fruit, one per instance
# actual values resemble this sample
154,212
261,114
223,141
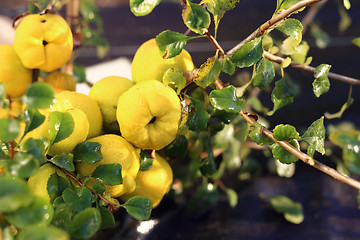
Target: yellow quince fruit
15,77
106,93
43,41
61,81
153,183
114,149
69,99
148,63
149,114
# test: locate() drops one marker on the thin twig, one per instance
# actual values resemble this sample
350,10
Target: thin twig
213,41
331,75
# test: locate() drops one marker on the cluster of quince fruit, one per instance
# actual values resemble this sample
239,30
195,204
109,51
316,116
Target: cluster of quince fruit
123,115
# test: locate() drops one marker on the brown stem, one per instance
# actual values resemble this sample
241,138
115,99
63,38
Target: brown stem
272,22
213,41
334,76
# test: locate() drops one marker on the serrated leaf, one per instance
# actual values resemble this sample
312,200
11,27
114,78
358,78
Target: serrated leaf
264,73
285,132
256,135
109,174
315,136
226,99
143,7
138,207
227,66
198,117
209,72
9,129
23,165
175,79
33,119
65,161
321,83
85,223
196,17
281,95
61,126
41,233
292,28
87,152
39,95
293,211
171,43
79,198
283,155
36,147
56,185
145,161
249,54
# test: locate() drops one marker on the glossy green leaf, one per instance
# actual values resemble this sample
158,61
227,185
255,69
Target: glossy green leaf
224,116
175,79
2,92
198,117
39,95
36,147
315,136
23,165
171,43
85,223
64,160
292,211
264,73
61,126
138,207
143,7
56,186
285,132
356,41
145,161
32,118
209,72
232,197
227,66
107,217
292,28
42,233
281,95
9,129
39,213
62,216
226,99
283,155
205,196
285,4
321,84
14,194
178,148
196,17
99,187
79,198
256,135
249,54
87,152
109,174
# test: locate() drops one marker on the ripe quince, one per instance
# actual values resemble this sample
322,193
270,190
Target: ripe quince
114,149
106,93
149,114
61,81
43,41
13,74
148,63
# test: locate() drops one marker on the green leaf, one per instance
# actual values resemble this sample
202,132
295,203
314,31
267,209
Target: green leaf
23,165
107,217
65,161
293,211
36,147
42,233
285,132
281,95
145,161
226,99
209,72
39,212
14,194
249,54
87,152
79,198
292,28
198,116
9,129
322,38
85,223
2,92
355,41
264,73
207,165
62,216
56,186
171,43
37,6
321,84
61,126
79,73
315,136
256,135
205,195
143,7
285,4
109,174
33,119
138,207
345,19
178,148
175,79
227,66
39,95
232,197
224,116
283,155
196,17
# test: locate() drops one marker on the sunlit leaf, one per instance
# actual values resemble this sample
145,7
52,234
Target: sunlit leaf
321,83
109,174
196,17
143,7
285,132
283,155
65,161
209,72
292,28
227,66
292,211
249,54
226,99
315,136
175,79
264,73
356,41
281,95
61,126
257,136
32,118
232,197
87,152
39,95
145,161
138,207
36,147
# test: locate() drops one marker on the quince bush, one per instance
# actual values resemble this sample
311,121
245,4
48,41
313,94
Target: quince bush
68,161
